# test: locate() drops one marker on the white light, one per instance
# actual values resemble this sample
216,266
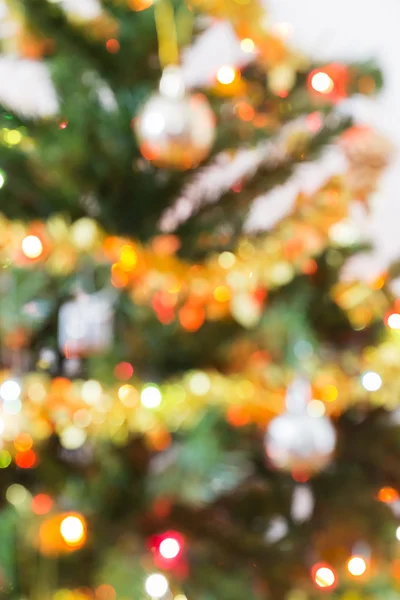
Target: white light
200,384
2,180
12,407
156,585
321,82
226,75
72,529
398,533
371,381
284,30
247,45
357,566
10,390
316,408
91,391
150,396
32,247
153,123
169,548
394,321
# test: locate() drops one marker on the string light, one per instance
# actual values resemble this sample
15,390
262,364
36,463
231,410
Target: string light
72,530
322,83
356,566
156,585
226,75
32,247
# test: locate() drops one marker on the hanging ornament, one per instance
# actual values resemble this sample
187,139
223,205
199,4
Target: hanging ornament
175,130
85,325
296,441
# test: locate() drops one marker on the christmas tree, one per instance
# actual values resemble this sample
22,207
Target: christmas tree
195,403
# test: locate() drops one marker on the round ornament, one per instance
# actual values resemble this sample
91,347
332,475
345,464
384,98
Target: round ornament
296,441
174,129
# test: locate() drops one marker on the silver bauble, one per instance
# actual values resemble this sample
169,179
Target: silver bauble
175,130
296,441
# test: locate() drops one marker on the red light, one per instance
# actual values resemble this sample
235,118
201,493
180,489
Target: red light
167,548
63,124
25,460
113,46
123,371
42,504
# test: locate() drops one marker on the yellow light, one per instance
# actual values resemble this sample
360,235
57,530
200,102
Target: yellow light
324,577
128,257
226,75
32,247
322,83
356,566
222,293
247,45
72,529
226,260
13,137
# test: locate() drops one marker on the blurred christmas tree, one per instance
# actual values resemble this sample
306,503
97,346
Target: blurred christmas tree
194,403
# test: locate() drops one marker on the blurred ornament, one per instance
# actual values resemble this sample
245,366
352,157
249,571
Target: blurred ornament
174,129
368,153
329,82
85,325
295,441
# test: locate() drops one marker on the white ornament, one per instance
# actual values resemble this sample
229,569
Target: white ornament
85,325
297,441
174,129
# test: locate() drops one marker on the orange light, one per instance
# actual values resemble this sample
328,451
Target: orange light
245,111
105,592
356,566
32,246
321,82
73,530
42,504
25,460
226,75
191,317
119,278
237,416
324,576
113,46
388,495
139,5
23,442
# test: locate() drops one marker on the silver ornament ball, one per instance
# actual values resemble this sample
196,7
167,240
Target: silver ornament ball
175,129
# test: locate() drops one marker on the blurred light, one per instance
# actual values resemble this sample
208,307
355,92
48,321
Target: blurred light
247,45
324,576
12,407
388,495
23,442
322,83
172,84
1,426
316,408
356,566
200,384
284,30
128,257
12,137
72,529
72,438
226,260
105,592
113,46
63,124
10,390
170,548
226,75
150,396
25,460
123,371
16,494
371,381
2,179
5,459
156,585
394,321
180,597
153,123
42,504
32,247
222,293
398,533
91,391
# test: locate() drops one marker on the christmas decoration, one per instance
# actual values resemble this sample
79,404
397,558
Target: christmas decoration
296,441
174,129
329,83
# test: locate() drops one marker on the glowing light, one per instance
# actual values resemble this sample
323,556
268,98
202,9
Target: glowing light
222,293
226,75
150,396
2,179
12,137
226,260
23,442
42,504
10,390
394,321
156,585
247,45
26,460
32,247
72,530
316,408
324,576
398,533
388,495
72,438
356,566
284,30
5,459
200,384
128,257
91,391
12,407
322,83
123,371
170,548
371,381
16,494
113,46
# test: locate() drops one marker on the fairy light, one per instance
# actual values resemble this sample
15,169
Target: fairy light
226,75
356,566
156,585
72,530
322,83
151,396
32,247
